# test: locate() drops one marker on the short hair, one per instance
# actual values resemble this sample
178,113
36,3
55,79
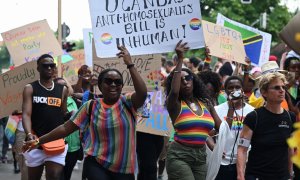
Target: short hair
103,73
44,56
80,70
195,61
232,78
211,77
287,62
226,69
268,78
169,63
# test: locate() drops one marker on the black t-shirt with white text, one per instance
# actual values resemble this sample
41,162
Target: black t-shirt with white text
268,157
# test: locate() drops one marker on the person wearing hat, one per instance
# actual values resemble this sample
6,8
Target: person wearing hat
255,99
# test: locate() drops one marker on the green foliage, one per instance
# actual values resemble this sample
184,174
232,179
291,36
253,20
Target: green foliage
278,15
78,44
4,57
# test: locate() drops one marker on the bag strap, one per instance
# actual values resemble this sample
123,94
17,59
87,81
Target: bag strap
127,108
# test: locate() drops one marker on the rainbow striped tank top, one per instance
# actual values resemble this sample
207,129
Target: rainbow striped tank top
191,128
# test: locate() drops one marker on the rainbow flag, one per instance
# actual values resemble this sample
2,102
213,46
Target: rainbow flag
10,129
257,43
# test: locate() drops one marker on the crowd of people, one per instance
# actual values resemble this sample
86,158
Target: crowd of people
230,121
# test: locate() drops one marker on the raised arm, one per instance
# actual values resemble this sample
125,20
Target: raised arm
173,104
140,94
27,110
243,145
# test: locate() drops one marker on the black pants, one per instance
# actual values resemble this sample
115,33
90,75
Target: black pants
71,159
149,147
92,170
252,177
227,172
5,142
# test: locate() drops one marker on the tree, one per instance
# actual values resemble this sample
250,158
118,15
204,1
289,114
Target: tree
4,57
278,15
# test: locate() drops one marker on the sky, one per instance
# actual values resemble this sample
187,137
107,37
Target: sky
75,13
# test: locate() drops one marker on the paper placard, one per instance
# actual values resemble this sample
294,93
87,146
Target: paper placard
29,42
145,27
290,34
12,84
70,69
257,43
224,42
159,122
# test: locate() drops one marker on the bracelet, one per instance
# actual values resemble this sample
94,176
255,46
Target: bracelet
130,66
229,118
28,134
37,142
176,71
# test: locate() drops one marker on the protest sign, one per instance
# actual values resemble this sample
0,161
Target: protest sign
158,122
290,34
88,47
145,27
28,42
224,42
147,65
12,84
257,43
71,68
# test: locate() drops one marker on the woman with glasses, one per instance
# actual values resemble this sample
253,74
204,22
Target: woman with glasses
193,117
266,129
108,126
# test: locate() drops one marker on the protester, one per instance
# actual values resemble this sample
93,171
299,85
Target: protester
266,129
194,64
73,140
44,104
213,84
193,116
5,143
109,126
232,113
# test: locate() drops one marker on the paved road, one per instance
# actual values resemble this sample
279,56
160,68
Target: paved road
7,171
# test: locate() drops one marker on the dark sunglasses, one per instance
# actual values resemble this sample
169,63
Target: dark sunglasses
187,77
277,88
109,81
46,66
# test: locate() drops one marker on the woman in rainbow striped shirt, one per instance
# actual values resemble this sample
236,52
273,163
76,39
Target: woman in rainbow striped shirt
193,117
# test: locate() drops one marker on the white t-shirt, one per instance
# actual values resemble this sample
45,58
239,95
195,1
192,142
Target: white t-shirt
236,128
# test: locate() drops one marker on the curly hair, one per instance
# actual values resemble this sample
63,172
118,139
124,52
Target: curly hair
199,88
211,77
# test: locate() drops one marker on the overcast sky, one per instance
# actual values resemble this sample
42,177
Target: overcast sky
75,13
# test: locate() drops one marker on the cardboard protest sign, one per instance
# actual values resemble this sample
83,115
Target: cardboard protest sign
158,122
12,84
88,47
147,65
224,42
257,43
28,42
71,68
145,27
290,34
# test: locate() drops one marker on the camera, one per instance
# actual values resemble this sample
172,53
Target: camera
236,95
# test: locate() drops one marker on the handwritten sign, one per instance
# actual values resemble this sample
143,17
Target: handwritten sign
224,42
28,42
70,69
12,84
159,122
257,43
290,34
88,46
145,27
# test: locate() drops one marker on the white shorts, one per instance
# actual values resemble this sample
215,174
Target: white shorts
37,157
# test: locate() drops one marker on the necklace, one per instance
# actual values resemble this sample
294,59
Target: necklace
47,88
193,106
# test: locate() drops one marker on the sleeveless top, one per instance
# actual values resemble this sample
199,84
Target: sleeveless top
46,113
191,128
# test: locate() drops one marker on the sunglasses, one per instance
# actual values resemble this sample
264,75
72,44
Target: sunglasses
187,77
278,88
109,81
46,66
